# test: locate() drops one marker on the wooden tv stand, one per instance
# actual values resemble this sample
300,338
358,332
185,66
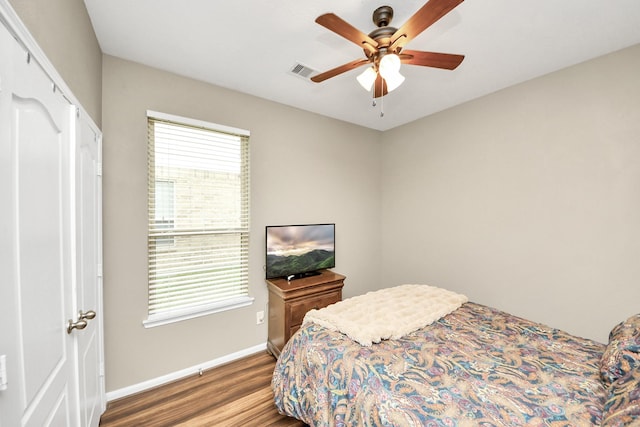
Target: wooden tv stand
290,301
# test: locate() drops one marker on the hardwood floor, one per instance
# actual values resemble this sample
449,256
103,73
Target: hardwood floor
236,394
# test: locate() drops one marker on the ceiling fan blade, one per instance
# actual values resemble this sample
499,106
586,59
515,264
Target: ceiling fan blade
379,87
346,30
446,61
338,70
421,20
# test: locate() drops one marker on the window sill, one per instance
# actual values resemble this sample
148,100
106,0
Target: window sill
192,313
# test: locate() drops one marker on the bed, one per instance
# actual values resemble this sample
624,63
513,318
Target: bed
475,366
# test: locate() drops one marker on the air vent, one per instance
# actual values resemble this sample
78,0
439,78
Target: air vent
302,71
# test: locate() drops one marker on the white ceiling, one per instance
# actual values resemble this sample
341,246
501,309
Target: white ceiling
251,45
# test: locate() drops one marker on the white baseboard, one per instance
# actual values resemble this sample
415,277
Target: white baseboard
145,385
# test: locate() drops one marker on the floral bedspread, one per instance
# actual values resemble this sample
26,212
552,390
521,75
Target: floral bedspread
477,366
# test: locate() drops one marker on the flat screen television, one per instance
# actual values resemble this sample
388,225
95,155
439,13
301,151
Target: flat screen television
295,251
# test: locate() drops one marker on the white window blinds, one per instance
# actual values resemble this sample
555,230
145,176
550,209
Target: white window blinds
198,238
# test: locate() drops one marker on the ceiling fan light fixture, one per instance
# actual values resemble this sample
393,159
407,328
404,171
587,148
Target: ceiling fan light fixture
367,78
390,71
389,64
393,81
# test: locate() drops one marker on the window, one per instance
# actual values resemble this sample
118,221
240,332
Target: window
198,239
165,210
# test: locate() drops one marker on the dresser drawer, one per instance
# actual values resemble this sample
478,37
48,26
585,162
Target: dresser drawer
299,308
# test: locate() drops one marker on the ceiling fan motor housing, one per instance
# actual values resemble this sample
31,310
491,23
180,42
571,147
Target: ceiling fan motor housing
382,35
382,16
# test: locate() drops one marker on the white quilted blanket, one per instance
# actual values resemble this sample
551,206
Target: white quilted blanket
387,313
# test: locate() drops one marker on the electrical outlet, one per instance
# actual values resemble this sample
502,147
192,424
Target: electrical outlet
259,317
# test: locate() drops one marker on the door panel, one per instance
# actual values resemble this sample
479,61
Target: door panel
89,274
40,234
40,355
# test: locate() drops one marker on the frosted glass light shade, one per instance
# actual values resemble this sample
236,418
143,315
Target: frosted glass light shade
389,64
367,78
390,71
393,81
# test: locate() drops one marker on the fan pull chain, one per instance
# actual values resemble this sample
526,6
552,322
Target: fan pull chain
374,103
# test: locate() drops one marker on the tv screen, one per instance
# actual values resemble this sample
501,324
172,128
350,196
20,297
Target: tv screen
299,250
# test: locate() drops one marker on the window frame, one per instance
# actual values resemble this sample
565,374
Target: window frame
176,315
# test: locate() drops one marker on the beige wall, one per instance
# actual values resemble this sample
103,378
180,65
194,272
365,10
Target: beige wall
63,30
304,169
527,199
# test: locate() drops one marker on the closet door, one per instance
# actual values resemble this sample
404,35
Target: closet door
36,247
88,153
7,302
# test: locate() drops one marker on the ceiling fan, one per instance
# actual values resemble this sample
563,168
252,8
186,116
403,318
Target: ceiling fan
384,46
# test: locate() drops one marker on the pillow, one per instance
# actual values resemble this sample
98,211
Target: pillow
628,328
622,407
622,354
